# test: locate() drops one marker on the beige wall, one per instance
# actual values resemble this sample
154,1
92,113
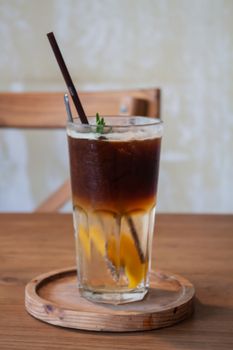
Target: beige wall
183,46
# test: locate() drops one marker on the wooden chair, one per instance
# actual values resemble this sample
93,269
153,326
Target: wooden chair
46,110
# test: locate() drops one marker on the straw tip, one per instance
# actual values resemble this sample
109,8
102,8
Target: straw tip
50,34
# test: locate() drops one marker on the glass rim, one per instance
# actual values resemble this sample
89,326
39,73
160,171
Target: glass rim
151,121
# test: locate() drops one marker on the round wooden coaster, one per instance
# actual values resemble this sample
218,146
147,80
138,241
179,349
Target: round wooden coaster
54,298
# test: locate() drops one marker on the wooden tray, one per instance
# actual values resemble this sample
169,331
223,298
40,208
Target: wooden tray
54,298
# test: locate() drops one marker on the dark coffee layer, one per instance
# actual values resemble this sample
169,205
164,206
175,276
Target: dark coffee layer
114,175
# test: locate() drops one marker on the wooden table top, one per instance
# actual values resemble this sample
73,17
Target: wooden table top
199,247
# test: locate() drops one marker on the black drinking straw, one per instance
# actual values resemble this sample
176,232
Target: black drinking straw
67,78
84,120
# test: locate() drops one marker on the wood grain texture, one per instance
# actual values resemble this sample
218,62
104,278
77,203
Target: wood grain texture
54,298
47,110
198,247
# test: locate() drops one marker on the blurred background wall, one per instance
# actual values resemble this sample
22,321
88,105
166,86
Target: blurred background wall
183,46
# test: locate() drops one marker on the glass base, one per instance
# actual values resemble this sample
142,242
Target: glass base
114,298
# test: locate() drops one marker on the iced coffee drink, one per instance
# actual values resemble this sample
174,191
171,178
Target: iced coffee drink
114,176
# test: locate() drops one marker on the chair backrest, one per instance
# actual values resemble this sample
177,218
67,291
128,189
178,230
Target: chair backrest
46,110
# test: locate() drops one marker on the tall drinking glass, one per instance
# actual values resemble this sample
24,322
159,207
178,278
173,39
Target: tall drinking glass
114,175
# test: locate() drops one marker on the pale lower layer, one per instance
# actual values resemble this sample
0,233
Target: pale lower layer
113,254
114,297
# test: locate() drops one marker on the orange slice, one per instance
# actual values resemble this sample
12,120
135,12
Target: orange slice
127,258
98,239
134,268
112,252
84,240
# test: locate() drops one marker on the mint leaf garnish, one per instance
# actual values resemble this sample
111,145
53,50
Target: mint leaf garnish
100,124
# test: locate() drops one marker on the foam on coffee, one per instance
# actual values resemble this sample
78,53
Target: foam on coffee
141,129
